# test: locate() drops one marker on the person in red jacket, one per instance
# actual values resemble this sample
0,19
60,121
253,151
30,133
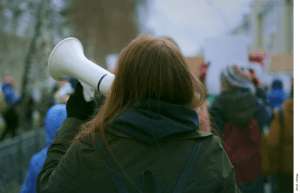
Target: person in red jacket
239,116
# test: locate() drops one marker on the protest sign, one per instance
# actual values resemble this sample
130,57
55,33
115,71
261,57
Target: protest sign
194,63
222,51
281,63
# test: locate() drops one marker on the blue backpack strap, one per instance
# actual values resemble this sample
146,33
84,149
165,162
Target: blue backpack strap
146,184
187,171
181,182
120,186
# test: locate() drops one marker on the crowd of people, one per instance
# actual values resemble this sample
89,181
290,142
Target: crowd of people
57,92
157,130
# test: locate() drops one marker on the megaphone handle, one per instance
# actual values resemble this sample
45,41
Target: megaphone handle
88,92
86,96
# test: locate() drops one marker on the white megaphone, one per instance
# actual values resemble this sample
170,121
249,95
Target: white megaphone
68,60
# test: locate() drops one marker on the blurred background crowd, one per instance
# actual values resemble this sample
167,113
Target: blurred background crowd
211,34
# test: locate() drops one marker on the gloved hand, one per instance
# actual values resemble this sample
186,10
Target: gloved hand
254,78
203,71
77,107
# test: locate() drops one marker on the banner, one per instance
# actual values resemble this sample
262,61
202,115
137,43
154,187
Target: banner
281,63
259,55
262,52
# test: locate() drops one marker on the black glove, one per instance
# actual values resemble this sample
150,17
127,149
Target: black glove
77,107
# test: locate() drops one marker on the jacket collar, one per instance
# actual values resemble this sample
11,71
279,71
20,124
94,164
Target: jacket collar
188,135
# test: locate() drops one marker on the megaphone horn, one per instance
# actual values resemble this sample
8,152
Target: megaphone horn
67,59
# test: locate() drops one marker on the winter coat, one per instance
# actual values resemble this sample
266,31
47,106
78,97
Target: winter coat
2,103
151,135
54,118
10,95
276,97
279,141
239,108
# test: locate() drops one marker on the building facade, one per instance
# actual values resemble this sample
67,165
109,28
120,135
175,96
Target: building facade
244,28
269,25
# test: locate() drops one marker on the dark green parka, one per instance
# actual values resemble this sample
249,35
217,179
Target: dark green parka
80,169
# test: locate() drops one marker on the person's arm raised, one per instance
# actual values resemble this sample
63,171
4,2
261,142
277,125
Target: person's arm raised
59,171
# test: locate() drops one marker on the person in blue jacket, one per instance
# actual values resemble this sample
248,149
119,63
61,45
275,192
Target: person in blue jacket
11,98
277,95
54,118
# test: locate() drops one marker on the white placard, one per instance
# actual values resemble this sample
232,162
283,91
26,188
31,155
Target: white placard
223,51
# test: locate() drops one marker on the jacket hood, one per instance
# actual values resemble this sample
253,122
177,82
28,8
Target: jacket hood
54,118
239,107
152,120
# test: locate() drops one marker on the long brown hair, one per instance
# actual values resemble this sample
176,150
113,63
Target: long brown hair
171,40
149,67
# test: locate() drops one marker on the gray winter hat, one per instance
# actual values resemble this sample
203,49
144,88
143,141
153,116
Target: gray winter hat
237,76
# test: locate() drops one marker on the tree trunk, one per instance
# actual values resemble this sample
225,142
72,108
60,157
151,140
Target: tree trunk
25,93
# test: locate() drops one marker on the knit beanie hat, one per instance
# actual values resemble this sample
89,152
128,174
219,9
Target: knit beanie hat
236,76
277,83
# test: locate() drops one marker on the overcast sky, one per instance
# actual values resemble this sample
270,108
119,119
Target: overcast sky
189,22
